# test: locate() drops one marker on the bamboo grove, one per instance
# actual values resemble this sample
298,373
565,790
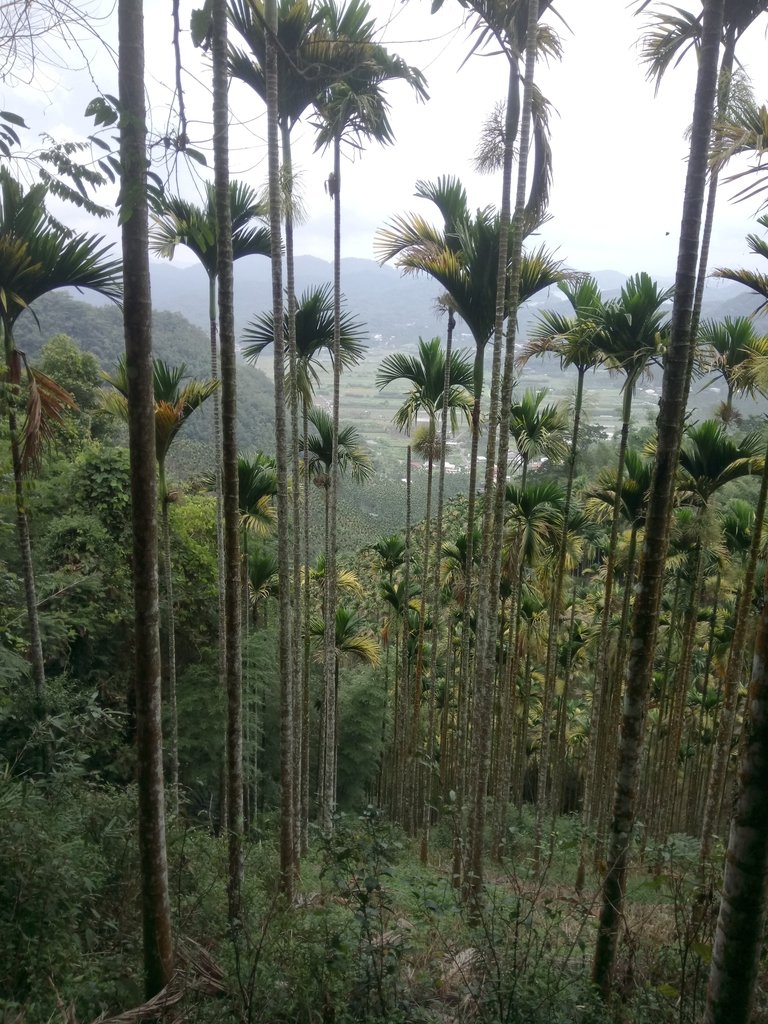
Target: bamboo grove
577,643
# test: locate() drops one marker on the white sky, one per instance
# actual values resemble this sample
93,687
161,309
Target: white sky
619,152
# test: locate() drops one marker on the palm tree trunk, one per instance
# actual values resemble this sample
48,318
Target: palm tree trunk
723,95
557,588
705,750
677,709
419,673
739,933
306,670
296,691
732,673
220,561
600,703
650,580
329,782
171,627
401,771
504,752
481,702
436,604
560,760
495,480
137,319
25,550
230,498
287,865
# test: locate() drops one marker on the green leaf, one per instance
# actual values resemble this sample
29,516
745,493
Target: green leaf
8,115
102,111
703,951
200,25
668,991
197,156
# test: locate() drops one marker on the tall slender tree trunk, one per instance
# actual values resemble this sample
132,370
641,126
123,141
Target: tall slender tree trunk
137,320
732,673
429,789
329,783
296,602
220,561
675,385
739,933
25,549
401,753
510,254
600,714
171,627
557,588
229,472
669,768
723,95
306,668
285,643
416,763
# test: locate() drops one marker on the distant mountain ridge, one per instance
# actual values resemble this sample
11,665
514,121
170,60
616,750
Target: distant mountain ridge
396,308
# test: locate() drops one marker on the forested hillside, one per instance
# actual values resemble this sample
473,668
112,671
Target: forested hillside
378,641
99,330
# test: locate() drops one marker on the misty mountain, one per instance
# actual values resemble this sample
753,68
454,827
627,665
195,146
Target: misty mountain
397,308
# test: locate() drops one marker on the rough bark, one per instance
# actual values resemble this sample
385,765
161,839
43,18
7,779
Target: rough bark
738,937
650,579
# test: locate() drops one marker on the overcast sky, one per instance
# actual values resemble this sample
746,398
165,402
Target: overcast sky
619,151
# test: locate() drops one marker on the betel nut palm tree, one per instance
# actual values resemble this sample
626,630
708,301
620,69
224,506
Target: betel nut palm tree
519,32
174,405
709,461
426,374
177,221
673,32
288,802
287,62
538,430
465,256
319,450
738,935
313,332
727,347
675,383
38,256
577,341
351,109
634,329
229,449
137,320
353,641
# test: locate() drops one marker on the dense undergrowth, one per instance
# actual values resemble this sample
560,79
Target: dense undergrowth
375,935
